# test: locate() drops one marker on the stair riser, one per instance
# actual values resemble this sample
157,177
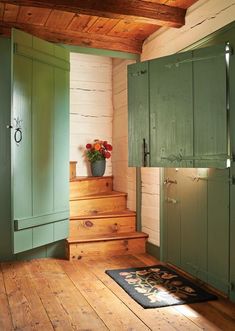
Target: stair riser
89,187
97,206
106,248
102,226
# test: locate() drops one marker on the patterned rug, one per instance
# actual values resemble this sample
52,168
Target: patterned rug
158,286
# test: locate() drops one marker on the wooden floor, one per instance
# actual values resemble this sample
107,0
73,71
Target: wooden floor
53,294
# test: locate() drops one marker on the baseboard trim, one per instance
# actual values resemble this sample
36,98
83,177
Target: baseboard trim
153,250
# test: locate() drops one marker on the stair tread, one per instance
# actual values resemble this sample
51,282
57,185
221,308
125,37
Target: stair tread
100,195
123,213
113,236
84,178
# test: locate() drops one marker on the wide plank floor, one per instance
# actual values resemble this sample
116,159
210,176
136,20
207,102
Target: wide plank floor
52,294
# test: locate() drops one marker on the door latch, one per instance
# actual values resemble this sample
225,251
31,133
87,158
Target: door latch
146,152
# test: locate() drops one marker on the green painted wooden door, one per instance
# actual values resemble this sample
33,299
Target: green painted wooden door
196,223
178,104
171,111
138,114
40,142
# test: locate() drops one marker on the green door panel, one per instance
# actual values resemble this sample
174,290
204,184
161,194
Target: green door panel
193,214
172,216
23,240
24,223
171,111
218,228
210,107
40,56
61,139
43,143
43,235
138,112
24,39
41,159
200,224
37,236
5,149
22,152
62,53
43,46
61,230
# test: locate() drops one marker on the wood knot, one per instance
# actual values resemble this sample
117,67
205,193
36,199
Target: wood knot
115,227
88,224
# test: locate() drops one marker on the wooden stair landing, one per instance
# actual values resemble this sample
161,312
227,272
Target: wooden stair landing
100,223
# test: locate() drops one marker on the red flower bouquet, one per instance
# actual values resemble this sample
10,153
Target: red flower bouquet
98,150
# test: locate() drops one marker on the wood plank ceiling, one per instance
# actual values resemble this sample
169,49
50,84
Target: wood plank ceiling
119,25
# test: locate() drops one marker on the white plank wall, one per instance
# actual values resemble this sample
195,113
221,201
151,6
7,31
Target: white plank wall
124,177
203,18
91,108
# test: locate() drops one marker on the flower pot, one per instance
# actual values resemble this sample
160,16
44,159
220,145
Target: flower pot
98,168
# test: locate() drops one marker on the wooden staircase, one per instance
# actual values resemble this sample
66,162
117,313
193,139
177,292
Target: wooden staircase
100,223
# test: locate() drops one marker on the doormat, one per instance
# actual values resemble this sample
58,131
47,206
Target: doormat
158,286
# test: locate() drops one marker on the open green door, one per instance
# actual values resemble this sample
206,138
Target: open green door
40,142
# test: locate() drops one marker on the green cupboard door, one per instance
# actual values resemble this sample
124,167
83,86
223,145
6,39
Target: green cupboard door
171,111
138,114
210,107
171,228
40,142
218,228
193,213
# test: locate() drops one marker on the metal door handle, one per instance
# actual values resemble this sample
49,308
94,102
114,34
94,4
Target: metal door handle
146,153
169,181
170,200
18,135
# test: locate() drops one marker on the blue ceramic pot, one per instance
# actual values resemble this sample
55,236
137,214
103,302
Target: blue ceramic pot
98,168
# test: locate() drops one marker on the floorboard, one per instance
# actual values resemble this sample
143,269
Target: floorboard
50,294
5,314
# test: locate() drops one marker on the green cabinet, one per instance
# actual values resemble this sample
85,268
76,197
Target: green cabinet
39,152
196,223
179,105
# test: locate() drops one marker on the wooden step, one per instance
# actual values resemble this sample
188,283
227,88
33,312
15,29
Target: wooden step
106,223
81,186
107,245
98,203
72,169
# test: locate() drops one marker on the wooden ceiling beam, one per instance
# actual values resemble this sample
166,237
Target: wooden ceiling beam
76,38
138,11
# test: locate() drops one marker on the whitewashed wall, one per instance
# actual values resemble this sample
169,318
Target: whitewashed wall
91,107
203,18
124,177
